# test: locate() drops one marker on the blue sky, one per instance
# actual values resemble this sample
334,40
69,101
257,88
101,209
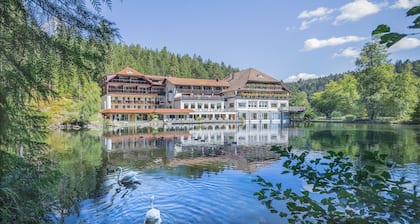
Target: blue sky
283,38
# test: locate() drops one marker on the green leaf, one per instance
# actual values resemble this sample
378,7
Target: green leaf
287,163
283,214
370,168
381,29
390,39
386,175
416,23
413,11
273,210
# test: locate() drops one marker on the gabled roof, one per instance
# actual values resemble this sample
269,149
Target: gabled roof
130,72
239,79
197,82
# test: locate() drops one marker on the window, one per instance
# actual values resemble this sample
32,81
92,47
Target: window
273,105
265,116
252,104
232,105
185,106
254,116
241,104
263,104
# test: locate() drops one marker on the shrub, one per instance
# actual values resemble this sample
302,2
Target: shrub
336,114
350,117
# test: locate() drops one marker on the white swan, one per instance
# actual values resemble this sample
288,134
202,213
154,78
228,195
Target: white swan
128,179
153,215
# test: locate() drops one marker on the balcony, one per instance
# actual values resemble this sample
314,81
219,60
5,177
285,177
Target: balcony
205,97
130,81
267,96
118,90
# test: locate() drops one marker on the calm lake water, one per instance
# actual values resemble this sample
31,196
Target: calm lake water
203,174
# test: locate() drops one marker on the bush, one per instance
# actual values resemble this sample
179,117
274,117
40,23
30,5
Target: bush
350,117
336,114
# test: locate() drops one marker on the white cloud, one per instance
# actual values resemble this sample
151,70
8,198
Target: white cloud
319,14
356,10
303,76
305,24
405,44
405,4
349,52
315,43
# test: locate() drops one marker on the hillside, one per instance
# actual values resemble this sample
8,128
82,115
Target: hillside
163,62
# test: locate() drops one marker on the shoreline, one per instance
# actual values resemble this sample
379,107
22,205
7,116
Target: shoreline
366,122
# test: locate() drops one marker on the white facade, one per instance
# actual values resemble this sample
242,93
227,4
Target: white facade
251,110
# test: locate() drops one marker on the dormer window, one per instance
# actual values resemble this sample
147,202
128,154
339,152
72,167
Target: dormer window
129,72
259,75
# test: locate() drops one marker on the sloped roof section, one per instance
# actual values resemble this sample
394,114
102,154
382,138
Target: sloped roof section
239,79
129,71
197,82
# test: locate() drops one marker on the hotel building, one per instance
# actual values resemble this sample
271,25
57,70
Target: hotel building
248,95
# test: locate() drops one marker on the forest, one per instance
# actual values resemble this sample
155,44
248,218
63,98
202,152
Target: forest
377,90
310,86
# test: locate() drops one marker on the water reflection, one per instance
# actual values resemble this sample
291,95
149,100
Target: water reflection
200,172
232,145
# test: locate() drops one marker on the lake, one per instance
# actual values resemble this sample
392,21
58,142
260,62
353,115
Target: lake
202,173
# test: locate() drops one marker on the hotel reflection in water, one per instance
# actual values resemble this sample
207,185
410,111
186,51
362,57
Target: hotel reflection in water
182,142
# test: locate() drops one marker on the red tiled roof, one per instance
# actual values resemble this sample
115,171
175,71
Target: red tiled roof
146,111
197,82
129,71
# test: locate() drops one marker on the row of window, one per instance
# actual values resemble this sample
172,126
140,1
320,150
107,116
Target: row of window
258,116
257,104
133,107
202,106
198,88
116,98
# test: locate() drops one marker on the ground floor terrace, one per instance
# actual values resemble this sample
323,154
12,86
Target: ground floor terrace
186,116
145,115
167,115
